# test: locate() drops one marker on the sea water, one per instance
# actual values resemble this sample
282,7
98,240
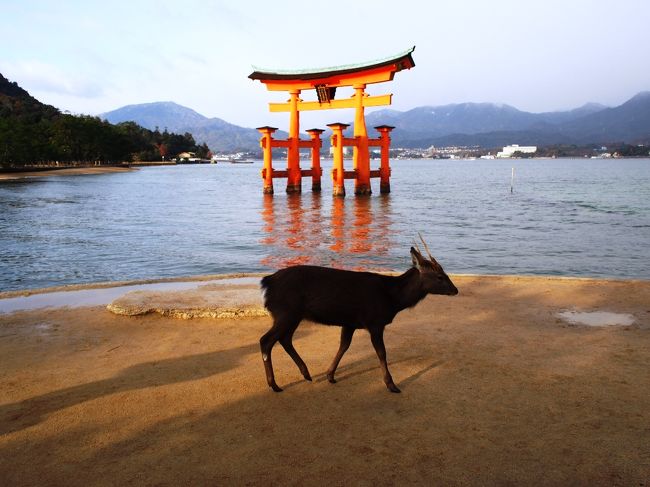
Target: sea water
564,217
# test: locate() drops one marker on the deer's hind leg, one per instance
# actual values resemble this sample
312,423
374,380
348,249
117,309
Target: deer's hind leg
266,345
287,344
346,339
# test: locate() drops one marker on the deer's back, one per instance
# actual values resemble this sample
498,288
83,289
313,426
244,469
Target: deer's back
329,296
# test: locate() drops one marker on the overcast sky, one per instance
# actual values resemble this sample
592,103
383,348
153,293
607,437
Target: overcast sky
91,56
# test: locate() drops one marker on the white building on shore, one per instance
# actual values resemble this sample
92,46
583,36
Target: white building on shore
509,150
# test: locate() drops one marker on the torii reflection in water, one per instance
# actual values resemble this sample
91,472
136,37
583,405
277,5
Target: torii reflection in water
320,230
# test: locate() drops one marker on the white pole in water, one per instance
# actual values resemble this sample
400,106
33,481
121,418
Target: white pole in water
512,180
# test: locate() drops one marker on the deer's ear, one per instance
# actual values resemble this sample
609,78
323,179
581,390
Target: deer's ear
415,258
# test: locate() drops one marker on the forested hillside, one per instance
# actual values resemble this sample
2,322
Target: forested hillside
34,133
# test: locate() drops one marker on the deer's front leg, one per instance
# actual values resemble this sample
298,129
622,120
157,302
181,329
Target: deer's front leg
377,338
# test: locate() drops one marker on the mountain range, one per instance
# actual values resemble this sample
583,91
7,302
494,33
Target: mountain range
491,125
220,135
487,125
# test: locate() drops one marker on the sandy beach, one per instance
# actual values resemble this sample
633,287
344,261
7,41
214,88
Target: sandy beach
72,171
498,388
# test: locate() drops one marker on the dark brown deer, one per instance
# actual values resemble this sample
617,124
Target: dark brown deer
348,299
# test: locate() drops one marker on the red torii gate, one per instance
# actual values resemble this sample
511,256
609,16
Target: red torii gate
325,81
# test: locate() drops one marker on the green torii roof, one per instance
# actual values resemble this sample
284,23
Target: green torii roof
287,74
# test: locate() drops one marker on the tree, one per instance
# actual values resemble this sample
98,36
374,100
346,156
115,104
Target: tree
31,132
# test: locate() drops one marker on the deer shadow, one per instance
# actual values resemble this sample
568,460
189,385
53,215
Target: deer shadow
26,413
350,370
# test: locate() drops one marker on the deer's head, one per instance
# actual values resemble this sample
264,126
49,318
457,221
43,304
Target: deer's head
433,277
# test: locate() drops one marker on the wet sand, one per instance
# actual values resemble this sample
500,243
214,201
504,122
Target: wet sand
497,389
63,172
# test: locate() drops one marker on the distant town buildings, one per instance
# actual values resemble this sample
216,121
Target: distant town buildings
509,150
471,152
461,152
187,157
347,151
467,152
449,152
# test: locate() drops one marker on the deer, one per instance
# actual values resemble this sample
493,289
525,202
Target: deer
352,300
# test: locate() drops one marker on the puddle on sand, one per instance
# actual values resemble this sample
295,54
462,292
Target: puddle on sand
98,297
597,318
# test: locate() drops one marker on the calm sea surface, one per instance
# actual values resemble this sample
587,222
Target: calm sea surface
565,217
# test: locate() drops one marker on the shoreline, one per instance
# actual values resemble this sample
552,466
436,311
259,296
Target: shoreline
205,295
46,171
211,277
497,388
111,284
66,171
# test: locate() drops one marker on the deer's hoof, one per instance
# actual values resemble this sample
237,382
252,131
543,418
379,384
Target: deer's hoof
276,388
393,388
331,379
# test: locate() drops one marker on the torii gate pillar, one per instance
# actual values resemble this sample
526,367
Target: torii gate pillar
338,172
384,170
360,154
294,176
267,170
316,171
